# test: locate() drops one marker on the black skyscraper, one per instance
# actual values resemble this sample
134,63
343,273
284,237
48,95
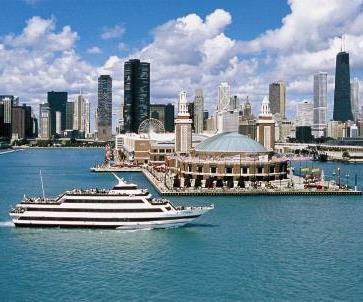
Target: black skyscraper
342,106
57,102
137,94
104,108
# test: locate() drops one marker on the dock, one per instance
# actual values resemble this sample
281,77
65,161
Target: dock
163,190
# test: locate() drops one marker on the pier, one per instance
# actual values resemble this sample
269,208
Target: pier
156,179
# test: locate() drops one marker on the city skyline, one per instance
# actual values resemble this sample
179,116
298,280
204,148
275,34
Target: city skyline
248,61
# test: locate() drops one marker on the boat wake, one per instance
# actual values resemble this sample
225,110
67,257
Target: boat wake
6,224
135,230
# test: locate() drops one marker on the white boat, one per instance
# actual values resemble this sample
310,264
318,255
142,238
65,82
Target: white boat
125,206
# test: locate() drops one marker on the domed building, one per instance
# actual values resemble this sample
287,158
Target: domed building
227,159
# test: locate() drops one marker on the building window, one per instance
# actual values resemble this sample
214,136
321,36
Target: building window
244,170
189,168
162,151
259,170
200,169
228,170
272,169
213,169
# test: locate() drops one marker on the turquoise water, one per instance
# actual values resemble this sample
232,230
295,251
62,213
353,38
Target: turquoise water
247,249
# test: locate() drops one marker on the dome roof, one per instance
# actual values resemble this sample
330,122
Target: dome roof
232,142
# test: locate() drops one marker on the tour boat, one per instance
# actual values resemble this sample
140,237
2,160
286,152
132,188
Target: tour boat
125,206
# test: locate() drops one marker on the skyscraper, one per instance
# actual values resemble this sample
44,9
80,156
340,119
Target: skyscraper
342,105
104,108
320,104
304,113
277,98
354,97
224,96
169,118
57,102
7,102
198,111
69,115
136,94
45,121
81,115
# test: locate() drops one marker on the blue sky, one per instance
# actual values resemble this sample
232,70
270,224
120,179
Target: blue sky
64,45
90,18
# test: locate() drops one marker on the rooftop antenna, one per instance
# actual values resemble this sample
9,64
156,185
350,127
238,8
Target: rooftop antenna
342,43
41,181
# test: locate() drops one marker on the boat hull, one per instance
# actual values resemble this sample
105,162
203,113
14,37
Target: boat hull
175,223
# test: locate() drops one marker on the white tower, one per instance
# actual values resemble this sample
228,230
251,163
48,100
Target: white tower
183,126
266,126
224,96
320,104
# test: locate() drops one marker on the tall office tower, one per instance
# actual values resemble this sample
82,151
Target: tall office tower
169,118
304,113
198,111
18,122
224,96
104,108
277,98
183,126
57,102
354,98
157,111
234,103
81,115
69,115
136,94
45,121
7,102
342,106
320,104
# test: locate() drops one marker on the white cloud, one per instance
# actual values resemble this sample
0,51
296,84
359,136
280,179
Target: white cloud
190,52
41,59
94,50
113,32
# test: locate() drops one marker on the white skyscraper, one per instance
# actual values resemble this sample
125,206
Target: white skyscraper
304,113
320,104
198,111
81,115
224,96
354,98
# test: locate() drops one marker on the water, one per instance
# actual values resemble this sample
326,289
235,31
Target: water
247,249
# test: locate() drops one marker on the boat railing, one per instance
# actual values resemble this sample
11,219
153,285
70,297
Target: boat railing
159,201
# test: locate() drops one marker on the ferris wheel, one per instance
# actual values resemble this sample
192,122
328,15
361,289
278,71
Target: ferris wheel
151,125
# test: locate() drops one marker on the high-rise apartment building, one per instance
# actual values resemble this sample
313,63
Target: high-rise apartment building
136,94
342,103
320,104
163,113
354,98
104,108
198,111
57,102
277,98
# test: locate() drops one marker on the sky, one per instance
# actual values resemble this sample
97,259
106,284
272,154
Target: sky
65,45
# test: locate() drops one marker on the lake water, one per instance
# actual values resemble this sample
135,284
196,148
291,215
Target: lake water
263,248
